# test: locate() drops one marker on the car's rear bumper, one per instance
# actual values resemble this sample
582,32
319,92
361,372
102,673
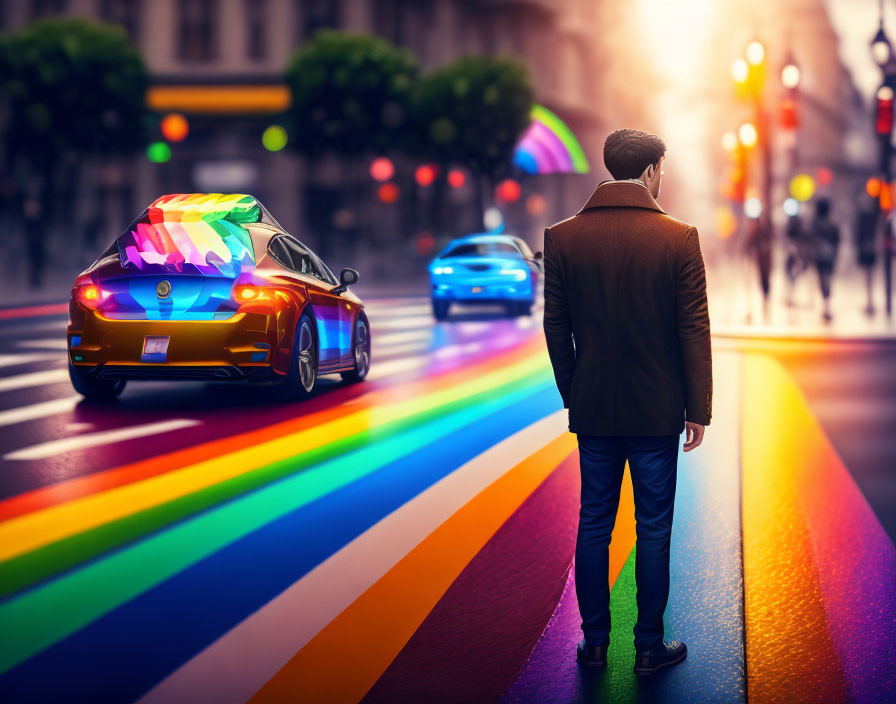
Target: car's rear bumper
487,293
220,349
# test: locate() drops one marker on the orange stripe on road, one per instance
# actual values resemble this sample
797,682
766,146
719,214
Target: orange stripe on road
346,658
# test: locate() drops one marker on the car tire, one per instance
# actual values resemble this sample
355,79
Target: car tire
440,309
360,351
95,389
302,375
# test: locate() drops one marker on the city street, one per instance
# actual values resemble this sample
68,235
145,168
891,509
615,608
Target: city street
410,538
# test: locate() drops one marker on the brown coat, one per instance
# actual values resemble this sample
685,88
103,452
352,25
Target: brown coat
625,316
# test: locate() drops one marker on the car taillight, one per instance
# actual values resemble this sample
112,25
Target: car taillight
89,295
247,293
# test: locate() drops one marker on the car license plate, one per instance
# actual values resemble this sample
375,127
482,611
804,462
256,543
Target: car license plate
155,348
477,289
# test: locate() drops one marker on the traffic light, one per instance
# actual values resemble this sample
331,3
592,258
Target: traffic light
884,120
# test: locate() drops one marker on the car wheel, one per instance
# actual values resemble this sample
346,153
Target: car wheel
360,351
440,309
94,389
302,375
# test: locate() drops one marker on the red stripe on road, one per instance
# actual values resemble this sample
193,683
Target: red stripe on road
31,311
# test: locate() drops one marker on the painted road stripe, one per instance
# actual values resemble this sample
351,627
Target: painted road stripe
105,437
77,487
30,312
377,312
824,590
254,650
34,411
267,561
403,348
10,360
399,337
411,321
51,343
389,612
24,381
81,596
396,366
28,532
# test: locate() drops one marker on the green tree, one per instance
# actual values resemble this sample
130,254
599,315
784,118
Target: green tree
350,95
472,112
70,89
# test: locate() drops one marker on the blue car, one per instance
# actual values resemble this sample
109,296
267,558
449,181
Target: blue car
486,268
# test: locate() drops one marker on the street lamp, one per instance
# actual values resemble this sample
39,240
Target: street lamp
882,53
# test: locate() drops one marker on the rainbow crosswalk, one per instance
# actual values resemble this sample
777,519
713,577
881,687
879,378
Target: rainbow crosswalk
411,540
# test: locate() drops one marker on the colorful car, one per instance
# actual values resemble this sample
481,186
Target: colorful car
486,268
207,286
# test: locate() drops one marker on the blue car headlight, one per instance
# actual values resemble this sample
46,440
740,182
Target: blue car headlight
517,274
443,270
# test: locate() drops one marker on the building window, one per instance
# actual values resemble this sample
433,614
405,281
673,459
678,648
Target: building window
124,13
45,8
257,29
320,14
198,30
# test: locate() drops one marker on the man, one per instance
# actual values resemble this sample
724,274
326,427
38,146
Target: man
627,330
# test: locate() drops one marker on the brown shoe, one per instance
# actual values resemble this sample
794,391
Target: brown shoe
591,655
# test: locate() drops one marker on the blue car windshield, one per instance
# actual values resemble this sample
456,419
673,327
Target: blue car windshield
482,249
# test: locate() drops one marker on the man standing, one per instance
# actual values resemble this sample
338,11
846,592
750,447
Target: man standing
627,329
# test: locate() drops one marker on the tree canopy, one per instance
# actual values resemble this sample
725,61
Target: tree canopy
350,94
472,112
70,85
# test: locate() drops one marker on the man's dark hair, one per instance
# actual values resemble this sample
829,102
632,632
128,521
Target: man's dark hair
628,152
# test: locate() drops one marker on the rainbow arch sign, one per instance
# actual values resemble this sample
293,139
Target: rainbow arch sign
548,146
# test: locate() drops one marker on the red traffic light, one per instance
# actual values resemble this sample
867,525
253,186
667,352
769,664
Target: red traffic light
884,119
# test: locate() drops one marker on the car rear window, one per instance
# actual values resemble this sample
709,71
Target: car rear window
481,249
216,247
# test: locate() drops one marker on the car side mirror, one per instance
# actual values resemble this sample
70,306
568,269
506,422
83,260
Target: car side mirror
539,255
347,277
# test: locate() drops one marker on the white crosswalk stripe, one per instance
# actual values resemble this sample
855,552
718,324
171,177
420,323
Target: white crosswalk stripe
45,409
105,437
50,343
9,360
24,381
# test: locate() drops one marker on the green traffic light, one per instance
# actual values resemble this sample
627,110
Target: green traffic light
158,152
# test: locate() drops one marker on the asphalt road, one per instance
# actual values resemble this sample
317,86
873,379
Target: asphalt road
197,543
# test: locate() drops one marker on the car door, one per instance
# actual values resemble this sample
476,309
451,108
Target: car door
328,306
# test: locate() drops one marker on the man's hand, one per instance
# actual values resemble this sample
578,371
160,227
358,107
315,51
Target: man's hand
693,435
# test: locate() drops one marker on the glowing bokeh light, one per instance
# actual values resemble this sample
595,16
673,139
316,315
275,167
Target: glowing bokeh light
175,127
536,204
729,141
748,135
493,219
425,175
802,187
872,187
752,207
755,53
790,76
456,178
509,190
158,152
739,70
824,175
726,223
382,169
388,193
791,206
274,138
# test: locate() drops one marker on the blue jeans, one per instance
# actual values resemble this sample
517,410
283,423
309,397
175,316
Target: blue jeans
653,462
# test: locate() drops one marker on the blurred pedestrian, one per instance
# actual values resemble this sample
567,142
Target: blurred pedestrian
798,253
825,243
627,328
866,247
759,242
